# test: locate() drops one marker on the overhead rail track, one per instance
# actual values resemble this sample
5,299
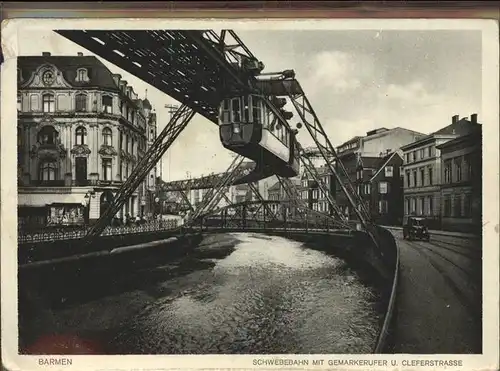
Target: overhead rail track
198,68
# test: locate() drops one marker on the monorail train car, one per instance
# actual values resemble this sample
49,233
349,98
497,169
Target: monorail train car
246,126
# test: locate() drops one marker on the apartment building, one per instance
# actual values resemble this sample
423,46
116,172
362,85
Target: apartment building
422,169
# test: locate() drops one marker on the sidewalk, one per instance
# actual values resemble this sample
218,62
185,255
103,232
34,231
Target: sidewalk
438,232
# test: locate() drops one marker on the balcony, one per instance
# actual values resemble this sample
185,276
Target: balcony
47,183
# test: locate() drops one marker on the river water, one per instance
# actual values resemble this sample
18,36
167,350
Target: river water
261,295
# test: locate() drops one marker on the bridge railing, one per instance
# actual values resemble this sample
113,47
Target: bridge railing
262,224
57,233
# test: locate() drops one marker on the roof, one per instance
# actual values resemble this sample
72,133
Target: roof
383,163
370,162
274,187
474,137
98,73
459,128
146,104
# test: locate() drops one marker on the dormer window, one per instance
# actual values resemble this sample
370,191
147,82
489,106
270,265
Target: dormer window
82,75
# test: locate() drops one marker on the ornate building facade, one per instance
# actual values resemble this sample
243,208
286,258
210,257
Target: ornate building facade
81,131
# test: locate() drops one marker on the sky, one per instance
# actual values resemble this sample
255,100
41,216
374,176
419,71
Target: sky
355,80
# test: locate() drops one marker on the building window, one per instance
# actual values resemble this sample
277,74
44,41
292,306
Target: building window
389,171
467,206
414,156
422,153
447,206
382,207
106,169
81,75
107,104
48,135
457,206
447,171
48,103
359,189
80,102
467,167
421,209
430,206
121,141
415,184
48,78
359,174
430,176
80,136
48,171
412,206
19,102
422,177
408,179
429,151
458,169
368,188
383,188
107,136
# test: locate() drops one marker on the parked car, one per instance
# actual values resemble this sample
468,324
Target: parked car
415,228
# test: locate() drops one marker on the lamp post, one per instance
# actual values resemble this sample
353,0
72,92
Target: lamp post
88,196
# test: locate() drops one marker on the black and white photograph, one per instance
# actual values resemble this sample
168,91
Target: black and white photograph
276,191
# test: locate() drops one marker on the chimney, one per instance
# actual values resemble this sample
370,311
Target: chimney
454,119
473,118
46,54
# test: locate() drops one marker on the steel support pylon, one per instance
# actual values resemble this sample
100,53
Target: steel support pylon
161,144
325,147
311,169
215,194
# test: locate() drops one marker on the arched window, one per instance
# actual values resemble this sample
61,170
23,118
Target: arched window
107,136
48,171
80,102
48,135
107,104
81,135
48,102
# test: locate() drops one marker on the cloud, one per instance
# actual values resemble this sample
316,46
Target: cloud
337,71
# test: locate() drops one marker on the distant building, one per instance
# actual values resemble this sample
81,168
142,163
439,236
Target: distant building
81,131
379,183
369,150
423,173
461,188
378,141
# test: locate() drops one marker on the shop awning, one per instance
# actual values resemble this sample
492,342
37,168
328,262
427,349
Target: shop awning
41,200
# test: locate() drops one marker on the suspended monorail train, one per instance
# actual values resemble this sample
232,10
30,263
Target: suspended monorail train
247,127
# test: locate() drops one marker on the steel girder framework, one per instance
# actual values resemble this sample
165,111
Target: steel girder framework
311,169
217,191
215,194
161,144
198,68
325,147
302,208
195,67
